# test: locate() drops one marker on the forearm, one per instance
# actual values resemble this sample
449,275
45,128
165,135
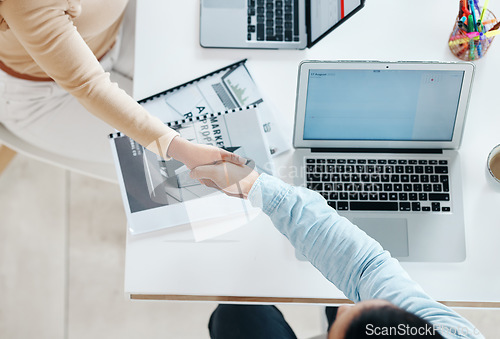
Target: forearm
111,104
330,242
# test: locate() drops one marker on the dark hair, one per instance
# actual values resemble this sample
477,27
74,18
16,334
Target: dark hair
389,322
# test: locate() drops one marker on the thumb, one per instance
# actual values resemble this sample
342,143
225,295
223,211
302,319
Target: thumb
231,157
203,172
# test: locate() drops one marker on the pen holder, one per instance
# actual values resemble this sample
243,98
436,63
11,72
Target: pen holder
467,44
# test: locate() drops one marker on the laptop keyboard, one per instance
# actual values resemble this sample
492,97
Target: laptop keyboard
273,20
381,184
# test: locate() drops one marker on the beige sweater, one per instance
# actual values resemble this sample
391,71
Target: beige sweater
63,39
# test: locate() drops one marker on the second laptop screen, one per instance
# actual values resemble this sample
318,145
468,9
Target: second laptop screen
327,13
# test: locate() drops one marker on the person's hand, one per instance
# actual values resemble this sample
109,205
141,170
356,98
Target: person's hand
193,155
232,179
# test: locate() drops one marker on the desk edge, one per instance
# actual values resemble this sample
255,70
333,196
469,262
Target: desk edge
278,300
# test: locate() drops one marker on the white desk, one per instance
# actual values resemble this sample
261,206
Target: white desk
255,262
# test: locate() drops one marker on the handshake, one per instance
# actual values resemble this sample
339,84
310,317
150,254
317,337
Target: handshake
233,178
215,167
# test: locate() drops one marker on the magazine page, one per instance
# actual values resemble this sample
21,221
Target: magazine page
159,193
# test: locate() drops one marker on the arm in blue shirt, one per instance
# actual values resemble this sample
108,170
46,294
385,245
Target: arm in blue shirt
347,256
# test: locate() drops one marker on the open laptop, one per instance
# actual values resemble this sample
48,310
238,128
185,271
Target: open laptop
278,24
379,141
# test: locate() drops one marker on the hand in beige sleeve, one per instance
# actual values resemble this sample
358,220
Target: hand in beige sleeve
49,35
232,179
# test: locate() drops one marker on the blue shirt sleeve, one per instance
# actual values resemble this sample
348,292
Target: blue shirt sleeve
347,256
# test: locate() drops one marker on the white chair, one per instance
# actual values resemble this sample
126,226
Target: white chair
10,144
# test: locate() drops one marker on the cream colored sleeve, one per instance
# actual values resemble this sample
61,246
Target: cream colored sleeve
47,33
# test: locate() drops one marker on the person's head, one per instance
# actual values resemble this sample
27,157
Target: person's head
379,318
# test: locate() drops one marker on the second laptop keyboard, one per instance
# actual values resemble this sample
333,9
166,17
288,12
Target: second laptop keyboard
273,20
381,184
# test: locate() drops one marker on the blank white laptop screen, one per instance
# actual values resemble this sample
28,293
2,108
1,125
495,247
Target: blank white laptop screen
406,105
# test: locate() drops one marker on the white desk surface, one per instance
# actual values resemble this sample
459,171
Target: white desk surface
255,262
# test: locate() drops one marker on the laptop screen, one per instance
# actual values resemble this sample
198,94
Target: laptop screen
325,15
382,104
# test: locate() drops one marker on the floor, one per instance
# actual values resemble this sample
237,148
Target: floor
62,245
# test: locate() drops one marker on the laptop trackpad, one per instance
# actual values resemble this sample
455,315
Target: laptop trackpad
224,3
392,234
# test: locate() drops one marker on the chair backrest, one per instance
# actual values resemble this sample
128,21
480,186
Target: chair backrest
100,171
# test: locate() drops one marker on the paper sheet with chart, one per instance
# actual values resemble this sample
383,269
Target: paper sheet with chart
226,89
159,194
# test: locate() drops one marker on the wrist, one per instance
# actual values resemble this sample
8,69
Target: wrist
178,149
249,183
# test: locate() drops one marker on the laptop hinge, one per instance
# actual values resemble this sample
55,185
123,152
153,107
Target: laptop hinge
308,22
378,150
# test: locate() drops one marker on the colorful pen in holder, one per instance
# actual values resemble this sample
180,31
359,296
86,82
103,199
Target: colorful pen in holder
474,31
